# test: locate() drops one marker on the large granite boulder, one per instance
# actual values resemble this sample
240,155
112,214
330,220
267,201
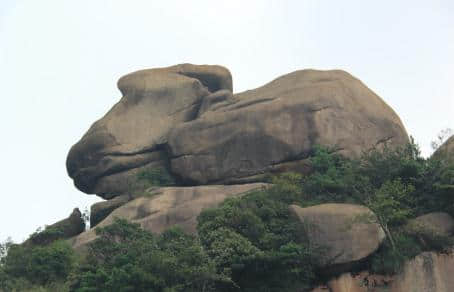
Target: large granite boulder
264,129
165,207
346,233
185,119
133,135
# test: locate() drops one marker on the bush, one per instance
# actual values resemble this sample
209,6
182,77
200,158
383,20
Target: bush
127,258
26,266
388,260
257,242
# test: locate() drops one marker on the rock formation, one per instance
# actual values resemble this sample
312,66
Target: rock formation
433,224
186,120
345,232
184,123
446,150
164,207
63,229
428,272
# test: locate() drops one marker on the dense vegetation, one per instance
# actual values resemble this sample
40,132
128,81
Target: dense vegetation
251,243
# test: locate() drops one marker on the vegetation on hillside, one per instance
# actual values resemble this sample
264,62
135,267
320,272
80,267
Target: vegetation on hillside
251,243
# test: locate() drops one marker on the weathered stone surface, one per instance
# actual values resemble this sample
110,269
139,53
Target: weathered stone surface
281,122
446,151
134,132
346,232
360,282
164,207
101,210
432,224
63,229
185,118
427,272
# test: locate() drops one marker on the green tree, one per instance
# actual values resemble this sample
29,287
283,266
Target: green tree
128,258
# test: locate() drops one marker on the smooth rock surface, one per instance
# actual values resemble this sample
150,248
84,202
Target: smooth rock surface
134,132
165,207
185,119
282,121
101,210
345,232
432,224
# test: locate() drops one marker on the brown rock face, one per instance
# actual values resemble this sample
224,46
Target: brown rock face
432,224
446,151
63,229
185,119
132,136
427,272
281,122
101,210
165,207
343,231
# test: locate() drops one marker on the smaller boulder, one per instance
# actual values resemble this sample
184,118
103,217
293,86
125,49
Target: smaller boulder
101,210
64,229
432,226
346,233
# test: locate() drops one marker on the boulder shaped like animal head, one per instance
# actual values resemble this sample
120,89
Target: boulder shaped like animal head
133,134
184,120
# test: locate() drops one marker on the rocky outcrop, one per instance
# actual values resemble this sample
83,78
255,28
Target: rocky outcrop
101,210
360,282
64,229
436,224
427,272
260,130
162,208
186,120
346,233
446,150
133,135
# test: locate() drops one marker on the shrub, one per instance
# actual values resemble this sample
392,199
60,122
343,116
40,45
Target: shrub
38,265
127,258
257,242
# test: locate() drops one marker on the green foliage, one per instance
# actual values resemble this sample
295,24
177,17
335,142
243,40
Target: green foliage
46,236
127,258
396,184
256,242
391,202
28,266
252,242
390,260
156,177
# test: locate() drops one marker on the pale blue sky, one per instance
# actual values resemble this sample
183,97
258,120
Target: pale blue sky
60,60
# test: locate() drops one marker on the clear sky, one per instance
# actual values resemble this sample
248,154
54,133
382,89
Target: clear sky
60,60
